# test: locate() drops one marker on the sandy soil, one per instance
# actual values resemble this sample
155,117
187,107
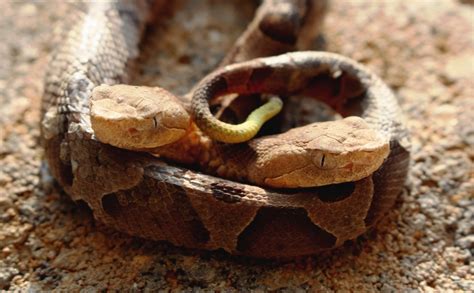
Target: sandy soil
423,49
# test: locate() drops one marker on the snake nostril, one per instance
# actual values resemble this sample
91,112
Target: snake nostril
349,166
132,131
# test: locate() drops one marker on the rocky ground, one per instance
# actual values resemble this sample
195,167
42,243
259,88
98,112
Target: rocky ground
423,49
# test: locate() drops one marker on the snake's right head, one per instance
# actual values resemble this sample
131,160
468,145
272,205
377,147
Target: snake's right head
134,117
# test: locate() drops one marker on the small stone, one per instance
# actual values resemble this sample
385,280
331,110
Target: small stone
30,54
372,279
419,221
28,10
459,67
6,275
455,256
386,288
5,204
466,242
28,207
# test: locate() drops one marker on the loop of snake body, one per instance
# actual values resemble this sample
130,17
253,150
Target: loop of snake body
139,194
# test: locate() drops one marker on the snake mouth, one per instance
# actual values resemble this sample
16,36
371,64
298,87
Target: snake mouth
348,167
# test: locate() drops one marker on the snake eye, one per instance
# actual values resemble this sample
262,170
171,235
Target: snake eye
323,161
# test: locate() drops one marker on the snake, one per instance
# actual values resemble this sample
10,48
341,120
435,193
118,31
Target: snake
145,195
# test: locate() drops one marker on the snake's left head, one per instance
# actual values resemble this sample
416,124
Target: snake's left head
322,153
133,117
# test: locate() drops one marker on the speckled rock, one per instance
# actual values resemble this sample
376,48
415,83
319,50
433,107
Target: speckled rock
419,47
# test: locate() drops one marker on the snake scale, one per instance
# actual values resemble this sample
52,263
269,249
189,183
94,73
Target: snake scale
139,194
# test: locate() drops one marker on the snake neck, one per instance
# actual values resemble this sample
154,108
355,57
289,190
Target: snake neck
198,151
186,150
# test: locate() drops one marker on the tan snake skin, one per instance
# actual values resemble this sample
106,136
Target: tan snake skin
138,194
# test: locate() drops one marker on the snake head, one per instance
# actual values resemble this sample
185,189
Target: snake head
133,117
320,154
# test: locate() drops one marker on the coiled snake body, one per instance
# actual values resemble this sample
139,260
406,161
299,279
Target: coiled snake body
141,195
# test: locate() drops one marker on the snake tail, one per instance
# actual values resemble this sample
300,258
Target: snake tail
237,133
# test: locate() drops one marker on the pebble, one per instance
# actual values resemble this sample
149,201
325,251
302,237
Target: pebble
419,221
6,275
458,67
28,10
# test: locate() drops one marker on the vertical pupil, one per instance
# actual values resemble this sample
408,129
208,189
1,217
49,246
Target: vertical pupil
322,160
